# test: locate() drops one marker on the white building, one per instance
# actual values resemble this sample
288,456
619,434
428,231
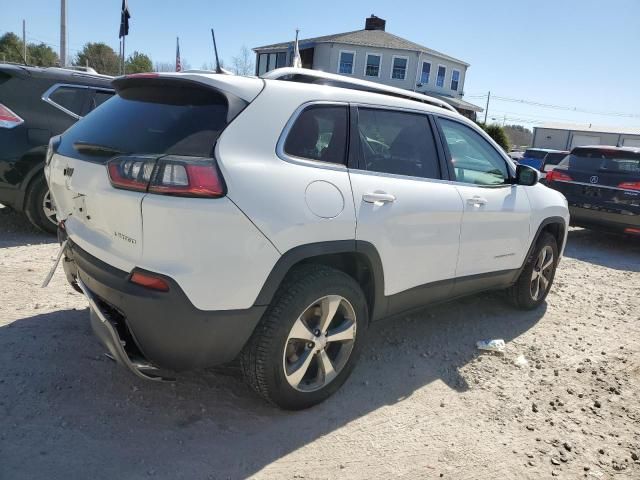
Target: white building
377,55
565,136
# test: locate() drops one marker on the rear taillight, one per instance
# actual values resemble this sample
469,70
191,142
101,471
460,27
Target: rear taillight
131,173
149,281
632,231
8,119
629,185
169,175
557,176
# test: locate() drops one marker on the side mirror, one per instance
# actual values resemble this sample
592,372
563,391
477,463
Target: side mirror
526,175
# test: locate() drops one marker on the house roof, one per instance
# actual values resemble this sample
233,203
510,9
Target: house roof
592,128
365,38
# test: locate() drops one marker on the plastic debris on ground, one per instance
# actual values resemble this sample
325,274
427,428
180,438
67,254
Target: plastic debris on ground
495,345
520,361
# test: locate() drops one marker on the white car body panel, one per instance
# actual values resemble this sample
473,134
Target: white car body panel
495,228
546,203
218,257
417,235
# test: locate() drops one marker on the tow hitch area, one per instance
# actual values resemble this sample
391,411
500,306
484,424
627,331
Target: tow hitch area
108,334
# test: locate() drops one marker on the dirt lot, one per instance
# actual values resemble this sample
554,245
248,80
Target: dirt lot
423,402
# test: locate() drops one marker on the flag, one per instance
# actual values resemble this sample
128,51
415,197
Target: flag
124,19
297,61
178,62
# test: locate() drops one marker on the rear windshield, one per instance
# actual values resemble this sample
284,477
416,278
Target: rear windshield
611,161
535,154
554,158
176,120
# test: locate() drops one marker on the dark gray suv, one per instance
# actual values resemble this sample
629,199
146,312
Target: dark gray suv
35,105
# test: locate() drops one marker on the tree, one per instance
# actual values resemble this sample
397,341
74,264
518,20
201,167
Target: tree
519,135
243,63
139,63
171,67
497,133
11,48
100,57
42,55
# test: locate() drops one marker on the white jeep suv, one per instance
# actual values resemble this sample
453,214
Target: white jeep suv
209,218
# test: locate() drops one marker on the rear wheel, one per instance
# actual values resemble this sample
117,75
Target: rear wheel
40,208
536,279
309,339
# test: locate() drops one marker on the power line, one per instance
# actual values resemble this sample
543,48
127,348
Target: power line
557,107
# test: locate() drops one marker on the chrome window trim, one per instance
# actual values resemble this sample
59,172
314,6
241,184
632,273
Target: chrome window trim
598,185
308,162
46,97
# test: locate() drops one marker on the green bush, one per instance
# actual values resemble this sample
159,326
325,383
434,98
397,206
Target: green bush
497,133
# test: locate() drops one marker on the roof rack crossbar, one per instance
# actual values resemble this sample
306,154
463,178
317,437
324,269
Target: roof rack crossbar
306,75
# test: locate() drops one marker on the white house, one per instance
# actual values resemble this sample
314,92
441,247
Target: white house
377,55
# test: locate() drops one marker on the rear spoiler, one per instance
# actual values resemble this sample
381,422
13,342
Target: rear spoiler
168,88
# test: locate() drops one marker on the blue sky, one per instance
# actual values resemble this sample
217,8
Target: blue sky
575,53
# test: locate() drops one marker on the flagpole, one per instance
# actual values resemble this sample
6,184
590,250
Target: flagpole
124,66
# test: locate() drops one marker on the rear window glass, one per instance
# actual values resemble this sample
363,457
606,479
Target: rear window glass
535,154
611,161
319,133
71,98
554,158
176,120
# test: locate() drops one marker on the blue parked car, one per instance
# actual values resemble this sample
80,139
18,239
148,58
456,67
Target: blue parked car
533,157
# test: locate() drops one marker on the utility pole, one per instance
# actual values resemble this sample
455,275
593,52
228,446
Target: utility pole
24,40
486,110
63,33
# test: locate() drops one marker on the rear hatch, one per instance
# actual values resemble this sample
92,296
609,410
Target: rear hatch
158,130
600,179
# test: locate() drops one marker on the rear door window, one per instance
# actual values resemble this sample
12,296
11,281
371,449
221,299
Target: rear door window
319,133
99,97
176,119
399,143
554,158
70,98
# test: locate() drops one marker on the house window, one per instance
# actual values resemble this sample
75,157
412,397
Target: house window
426,72
263,60
345,66
442,71
399,68
281,59
270,61
455,80
372,67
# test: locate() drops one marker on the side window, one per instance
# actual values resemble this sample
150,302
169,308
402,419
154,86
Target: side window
319,133
100,97
474,159
397,142
70,98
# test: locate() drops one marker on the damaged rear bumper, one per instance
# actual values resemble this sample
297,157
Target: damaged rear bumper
146,330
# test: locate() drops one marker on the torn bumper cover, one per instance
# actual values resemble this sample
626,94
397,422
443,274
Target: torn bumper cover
145,330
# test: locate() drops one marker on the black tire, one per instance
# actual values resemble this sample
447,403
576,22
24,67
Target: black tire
522,292
263,360
36,194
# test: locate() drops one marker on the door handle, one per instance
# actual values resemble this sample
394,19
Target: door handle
476,201
378,198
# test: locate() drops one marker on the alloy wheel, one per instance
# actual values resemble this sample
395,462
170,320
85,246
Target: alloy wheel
49,208
542,273
320,343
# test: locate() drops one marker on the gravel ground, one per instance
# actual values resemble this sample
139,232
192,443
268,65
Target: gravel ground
423,402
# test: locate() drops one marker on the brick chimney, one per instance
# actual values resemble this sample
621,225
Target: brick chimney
374,23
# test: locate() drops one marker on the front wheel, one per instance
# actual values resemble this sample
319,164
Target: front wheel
536,278
309,339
